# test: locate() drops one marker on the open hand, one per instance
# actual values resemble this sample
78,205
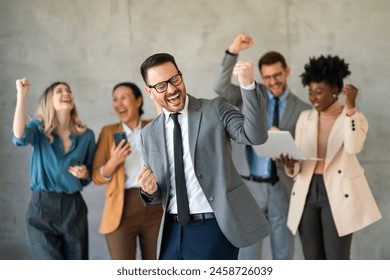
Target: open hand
119,153
286,159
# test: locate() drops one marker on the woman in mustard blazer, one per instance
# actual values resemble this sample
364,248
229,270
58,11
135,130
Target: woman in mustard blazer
330,198
125,217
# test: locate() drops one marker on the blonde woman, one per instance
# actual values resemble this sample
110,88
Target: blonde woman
61,165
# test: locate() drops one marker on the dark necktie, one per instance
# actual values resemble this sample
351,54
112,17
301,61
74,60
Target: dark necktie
181,190
275,122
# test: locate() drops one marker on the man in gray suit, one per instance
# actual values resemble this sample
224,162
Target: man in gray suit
223,215
267,181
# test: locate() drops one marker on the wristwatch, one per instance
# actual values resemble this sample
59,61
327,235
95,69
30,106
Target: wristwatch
149,197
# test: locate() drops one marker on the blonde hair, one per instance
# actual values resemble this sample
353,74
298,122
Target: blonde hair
47,115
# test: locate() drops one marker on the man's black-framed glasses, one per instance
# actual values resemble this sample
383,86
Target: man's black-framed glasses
163,86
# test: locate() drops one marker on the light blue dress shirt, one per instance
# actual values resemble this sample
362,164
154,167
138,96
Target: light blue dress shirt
49,164
260,166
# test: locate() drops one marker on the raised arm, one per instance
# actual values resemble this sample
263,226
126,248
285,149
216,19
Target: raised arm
19,124
248,126
222,84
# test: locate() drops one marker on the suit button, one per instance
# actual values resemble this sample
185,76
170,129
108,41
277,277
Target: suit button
200,176
346,195
353,129
339,171
211,198
293,193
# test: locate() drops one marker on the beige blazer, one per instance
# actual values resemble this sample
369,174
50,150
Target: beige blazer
351,201
115,189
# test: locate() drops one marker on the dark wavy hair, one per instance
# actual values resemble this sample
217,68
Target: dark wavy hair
329,69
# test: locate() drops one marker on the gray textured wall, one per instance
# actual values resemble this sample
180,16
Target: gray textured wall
95,44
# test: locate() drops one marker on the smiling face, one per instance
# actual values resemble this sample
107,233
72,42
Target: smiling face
173,98
275,77
322,95
126,106
63,99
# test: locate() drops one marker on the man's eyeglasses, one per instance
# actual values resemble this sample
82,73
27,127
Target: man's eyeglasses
276,76
163,86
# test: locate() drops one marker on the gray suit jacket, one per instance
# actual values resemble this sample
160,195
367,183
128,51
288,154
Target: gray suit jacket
231,92
211,126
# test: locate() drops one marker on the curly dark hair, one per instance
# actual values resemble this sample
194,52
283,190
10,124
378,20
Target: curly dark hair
329,69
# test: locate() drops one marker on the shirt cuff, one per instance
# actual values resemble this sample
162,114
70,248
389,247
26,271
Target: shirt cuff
250,87
234,54
105,178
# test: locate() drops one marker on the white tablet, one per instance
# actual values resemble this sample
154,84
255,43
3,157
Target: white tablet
279,141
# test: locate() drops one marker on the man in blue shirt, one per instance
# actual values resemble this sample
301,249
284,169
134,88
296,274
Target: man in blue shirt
268,182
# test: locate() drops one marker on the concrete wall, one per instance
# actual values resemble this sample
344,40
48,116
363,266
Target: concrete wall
94,44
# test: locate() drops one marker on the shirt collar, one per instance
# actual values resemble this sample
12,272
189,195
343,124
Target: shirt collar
128,130
71,135
282,97
182,112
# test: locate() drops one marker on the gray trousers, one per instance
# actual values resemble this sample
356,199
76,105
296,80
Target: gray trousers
319,237
274,203
57,226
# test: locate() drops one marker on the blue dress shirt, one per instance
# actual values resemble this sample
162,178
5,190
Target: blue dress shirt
49,164
261,166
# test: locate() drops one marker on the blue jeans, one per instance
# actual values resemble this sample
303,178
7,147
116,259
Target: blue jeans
274,204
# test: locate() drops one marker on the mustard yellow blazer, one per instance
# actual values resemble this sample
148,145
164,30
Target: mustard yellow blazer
115,188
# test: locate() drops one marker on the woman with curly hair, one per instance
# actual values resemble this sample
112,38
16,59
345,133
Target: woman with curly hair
61,165
330,198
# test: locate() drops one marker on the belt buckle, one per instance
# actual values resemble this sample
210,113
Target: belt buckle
256,178
175,218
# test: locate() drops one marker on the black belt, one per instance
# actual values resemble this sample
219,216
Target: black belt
259,179
193,217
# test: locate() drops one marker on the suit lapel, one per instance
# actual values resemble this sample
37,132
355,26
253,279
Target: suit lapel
159,129
336,139
194,117
288,111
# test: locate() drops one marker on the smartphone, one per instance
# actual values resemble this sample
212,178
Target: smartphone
119,136
74,161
